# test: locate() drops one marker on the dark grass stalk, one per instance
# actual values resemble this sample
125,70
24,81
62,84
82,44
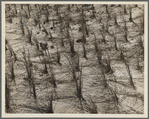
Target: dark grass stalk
29,36
142,25
74,63
125,26
86,30
126,36
21,22
115,97
115,19
103,38
37,44
50,35
84,39
39,24
45,69
103,75
11,69
36,22
109,16
67,29
34,89
84,22
57,12
60,18
15,9
84,51
58,57
47,14
79,85
52,74
67,22
99,57
62,42
96,45
72,46
107,9
30,70
6,43
50,105
27,66
74,76
28,63
141,45
126,29
68,7
28,7
77,67
15,56
138,65
52,77
77,10
37,17
115,44
71,42
61,38
61,32
80,29
7,96
130,76
22,26
53,22
45,30
22,6
56,7
130,18
125,11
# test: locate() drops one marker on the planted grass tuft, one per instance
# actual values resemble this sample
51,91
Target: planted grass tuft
28,66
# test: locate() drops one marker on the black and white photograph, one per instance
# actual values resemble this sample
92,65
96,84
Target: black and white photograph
72,59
